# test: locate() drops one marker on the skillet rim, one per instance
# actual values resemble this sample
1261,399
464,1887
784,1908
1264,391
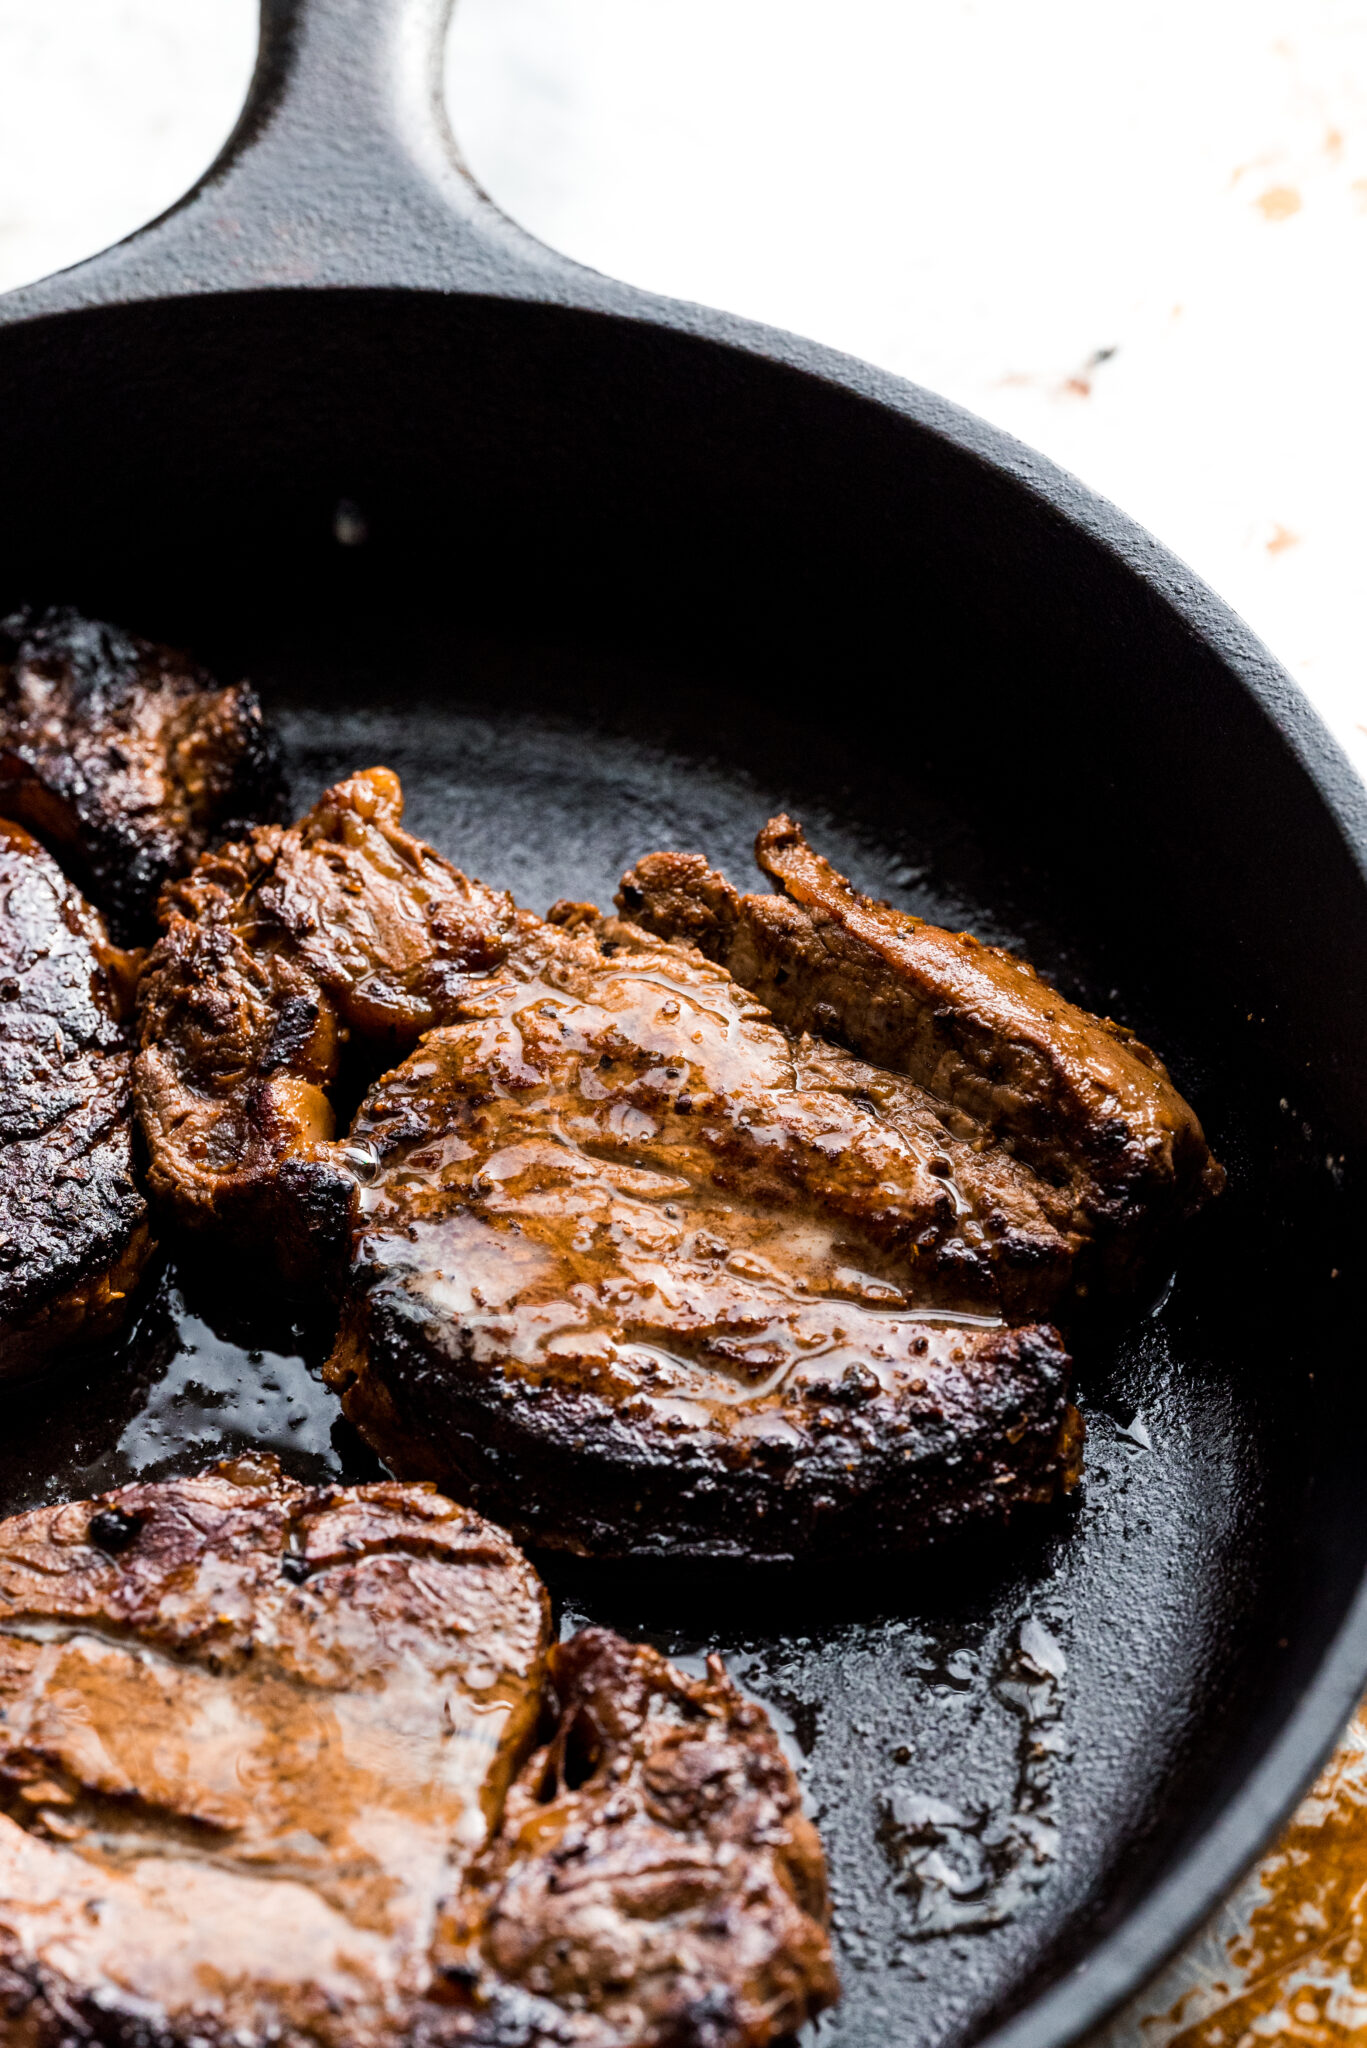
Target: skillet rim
238,231
1115,1967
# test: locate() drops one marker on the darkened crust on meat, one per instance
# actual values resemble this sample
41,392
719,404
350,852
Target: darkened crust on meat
277,954
660,1821
628,1266
74,1235
1120,1156
638,1275
125,758
571,1468
255,1749
252,1736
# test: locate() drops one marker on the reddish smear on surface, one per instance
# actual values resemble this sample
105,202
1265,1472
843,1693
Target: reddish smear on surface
1299,1973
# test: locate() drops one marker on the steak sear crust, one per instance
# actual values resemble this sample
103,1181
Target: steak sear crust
125,758
280,956
253,1735
1119,1157
638,1274
255,1749
655,1874
74,1235
620,1260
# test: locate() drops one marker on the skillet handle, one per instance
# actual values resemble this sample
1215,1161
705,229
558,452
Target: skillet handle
341,171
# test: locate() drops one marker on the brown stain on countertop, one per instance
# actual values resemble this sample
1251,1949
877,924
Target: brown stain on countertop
1298,1973
1278,202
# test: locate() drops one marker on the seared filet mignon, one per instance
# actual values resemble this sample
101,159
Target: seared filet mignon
124,758
637,1273
281,956
654,1872
620,1259
255,1748
1117,1157
74,1234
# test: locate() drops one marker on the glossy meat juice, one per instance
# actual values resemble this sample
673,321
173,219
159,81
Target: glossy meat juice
75,1235
269,1774
890,1683
686,1265
252,1736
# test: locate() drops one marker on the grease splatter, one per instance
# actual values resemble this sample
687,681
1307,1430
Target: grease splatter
1286,1959
965,1869
1278,202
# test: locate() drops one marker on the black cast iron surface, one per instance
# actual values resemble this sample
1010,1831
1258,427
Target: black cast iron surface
597,572
986,1738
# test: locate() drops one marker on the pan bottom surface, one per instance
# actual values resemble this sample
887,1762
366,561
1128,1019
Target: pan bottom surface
993,1740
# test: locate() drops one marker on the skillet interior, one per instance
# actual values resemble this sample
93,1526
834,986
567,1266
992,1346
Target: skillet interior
625,588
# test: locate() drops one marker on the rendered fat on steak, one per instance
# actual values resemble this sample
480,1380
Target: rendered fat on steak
638,1273
620,1260
124,758
74,1235
267,1775
1117,1157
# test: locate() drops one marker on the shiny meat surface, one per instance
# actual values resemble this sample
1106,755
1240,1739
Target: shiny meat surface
621,1260
124,758
283,958
1118,1156
255,1746
74,1234
252,1736
655,1874
637,1272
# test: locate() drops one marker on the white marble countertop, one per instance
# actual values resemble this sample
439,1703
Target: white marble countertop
1135,236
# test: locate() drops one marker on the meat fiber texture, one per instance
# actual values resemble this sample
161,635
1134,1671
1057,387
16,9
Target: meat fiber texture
287,1766
1110,1150
286,958
619,1258
74,1230
638,1273
125,758
733,1227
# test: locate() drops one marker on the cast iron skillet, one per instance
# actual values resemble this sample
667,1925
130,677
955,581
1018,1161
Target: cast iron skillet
611,572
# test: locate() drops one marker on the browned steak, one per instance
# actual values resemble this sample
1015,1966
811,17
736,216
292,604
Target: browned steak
637,1273
126,759
74,1236
256,1742
627,1265
654,1873
281,956
1118,1159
